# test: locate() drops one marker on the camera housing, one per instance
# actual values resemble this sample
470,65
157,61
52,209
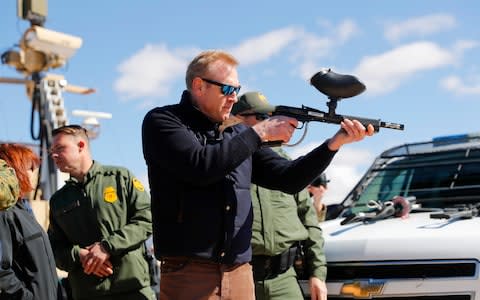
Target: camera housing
51,43
40,48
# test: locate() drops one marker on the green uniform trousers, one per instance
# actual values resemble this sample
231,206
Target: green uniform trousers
146,293
283,286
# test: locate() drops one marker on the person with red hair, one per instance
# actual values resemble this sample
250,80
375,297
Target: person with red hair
27,263
25,162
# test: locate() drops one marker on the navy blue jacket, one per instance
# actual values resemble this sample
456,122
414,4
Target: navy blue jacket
200,181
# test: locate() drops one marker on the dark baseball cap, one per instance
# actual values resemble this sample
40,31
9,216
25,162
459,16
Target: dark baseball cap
254,102
320,180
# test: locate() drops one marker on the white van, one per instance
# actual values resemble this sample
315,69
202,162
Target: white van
410,228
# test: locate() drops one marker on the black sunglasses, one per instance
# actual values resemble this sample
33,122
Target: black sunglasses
225,88
258,116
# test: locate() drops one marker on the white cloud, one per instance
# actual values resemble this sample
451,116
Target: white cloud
261,48
346,30
385,72
419,27
306,48
346,169
311,47
462,45
151,71
456,85
308,51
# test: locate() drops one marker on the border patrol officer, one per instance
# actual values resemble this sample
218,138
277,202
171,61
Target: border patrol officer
285,227
99,221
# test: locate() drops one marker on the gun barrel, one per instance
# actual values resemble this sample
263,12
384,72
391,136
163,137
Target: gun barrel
377,124
392,125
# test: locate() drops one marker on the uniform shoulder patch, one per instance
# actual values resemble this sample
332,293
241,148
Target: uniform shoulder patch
138,185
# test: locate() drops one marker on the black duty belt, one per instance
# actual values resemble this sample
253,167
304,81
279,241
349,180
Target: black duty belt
268,267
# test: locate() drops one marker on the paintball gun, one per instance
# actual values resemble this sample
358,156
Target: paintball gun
458,212
336,87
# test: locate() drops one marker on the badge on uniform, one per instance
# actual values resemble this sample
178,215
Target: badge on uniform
110,194
138,185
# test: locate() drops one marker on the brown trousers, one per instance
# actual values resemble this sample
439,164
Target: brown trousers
185,279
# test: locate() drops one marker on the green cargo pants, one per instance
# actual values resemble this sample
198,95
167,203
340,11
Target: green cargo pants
283,286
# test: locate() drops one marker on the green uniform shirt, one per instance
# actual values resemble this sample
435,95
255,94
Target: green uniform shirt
280,219
110,205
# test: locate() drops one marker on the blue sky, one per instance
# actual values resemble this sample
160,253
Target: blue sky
418,59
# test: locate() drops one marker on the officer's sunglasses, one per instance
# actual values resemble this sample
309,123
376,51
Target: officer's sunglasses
225,88
258,116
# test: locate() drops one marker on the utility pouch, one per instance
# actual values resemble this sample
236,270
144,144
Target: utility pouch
287,259
299,264
268,267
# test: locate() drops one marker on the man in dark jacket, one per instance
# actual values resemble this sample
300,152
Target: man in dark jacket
200,170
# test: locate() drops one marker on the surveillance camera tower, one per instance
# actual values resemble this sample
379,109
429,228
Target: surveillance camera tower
40,50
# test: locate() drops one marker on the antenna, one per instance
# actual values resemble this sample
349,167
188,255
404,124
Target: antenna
90,121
